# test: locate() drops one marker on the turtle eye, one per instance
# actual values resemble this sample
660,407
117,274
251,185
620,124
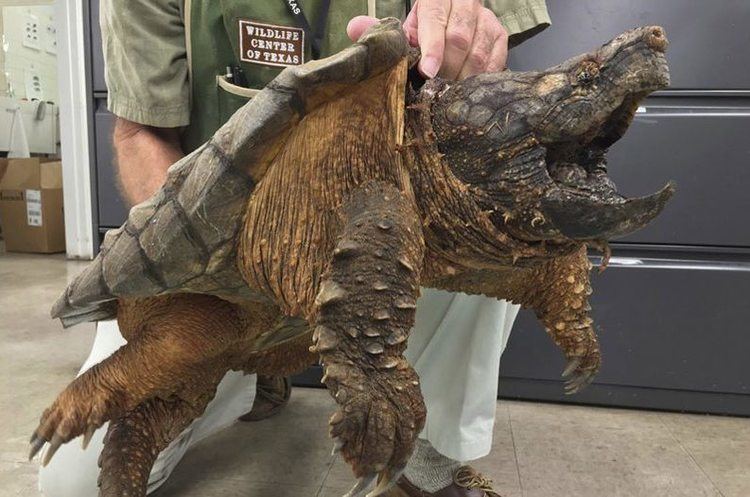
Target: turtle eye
587,73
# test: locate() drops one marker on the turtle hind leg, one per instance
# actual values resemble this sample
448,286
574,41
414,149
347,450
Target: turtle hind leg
180,336
365,310
134,441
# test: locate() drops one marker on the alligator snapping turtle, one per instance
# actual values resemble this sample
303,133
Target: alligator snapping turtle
305,227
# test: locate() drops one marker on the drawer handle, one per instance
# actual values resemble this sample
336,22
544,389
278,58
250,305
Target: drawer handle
695,265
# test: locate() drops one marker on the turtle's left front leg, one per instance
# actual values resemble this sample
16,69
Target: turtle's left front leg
365,310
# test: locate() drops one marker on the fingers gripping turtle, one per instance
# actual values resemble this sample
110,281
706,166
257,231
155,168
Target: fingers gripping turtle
367,302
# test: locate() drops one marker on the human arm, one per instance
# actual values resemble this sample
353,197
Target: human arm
142,156
146,73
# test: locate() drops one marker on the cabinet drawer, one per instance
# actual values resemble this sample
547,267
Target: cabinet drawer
708,48
663,324
112,210
97,56
707,152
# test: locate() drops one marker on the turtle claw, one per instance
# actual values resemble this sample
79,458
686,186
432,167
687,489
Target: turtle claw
579,382
571,366
361,486
54,444
37,443
387,480
87,436
337,445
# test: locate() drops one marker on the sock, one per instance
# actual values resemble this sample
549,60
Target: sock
428,469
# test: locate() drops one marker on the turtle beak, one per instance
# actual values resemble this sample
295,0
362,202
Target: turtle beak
583,218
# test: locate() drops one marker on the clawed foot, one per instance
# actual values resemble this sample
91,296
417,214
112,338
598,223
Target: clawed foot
581,371
388,479
375,432
72,414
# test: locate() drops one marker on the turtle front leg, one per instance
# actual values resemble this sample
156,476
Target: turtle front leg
365,310
561,302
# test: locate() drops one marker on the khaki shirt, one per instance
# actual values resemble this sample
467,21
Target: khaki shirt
146,67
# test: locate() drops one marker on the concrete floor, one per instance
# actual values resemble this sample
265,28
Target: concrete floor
540,450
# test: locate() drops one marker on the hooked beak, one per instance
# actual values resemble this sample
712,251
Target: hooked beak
583,218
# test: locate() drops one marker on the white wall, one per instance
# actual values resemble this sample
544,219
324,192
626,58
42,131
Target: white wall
30,52
75,129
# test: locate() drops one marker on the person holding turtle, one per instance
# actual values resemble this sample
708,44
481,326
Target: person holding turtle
177,70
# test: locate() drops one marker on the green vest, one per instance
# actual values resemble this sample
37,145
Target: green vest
259,36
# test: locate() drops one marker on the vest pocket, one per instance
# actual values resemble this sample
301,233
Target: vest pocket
240,91
232,97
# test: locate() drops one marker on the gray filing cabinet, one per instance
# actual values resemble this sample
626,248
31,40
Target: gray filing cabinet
672,310
110,209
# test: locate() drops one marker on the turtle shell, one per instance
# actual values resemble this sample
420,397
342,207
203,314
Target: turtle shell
184,238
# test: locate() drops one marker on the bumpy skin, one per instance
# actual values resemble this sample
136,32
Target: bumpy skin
367,302
135,440
311,220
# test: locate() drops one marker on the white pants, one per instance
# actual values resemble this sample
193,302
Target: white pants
455,347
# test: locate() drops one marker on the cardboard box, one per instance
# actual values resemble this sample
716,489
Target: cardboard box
31,206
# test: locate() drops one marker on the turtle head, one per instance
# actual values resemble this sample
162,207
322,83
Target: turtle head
533,145
591,99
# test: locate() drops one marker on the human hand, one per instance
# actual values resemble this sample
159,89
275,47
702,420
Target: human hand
458,38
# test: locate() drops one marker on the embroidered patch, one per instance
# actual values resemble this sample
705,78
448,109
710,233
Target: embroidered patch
271,45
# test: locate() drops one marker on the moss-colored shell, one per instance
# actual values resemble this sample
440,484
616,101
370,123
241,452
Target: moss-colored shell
183,239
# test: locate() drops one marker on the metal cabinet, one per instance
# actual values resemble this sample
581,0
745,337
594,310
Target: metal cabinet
702,144
708,48
672,310
111,207
97,57
671,333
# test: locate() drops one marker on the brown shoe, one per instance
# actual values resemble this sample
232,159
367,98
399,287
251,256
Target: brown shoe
467,482
271,395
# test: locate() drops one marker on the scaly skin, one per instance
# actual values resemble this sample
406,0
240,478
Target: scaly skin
367,301
134,440
492,186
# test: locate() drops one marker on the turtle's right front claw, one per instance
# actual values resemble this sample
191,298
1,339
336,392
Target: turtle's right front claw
388,478
361,486
54,444
36,443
